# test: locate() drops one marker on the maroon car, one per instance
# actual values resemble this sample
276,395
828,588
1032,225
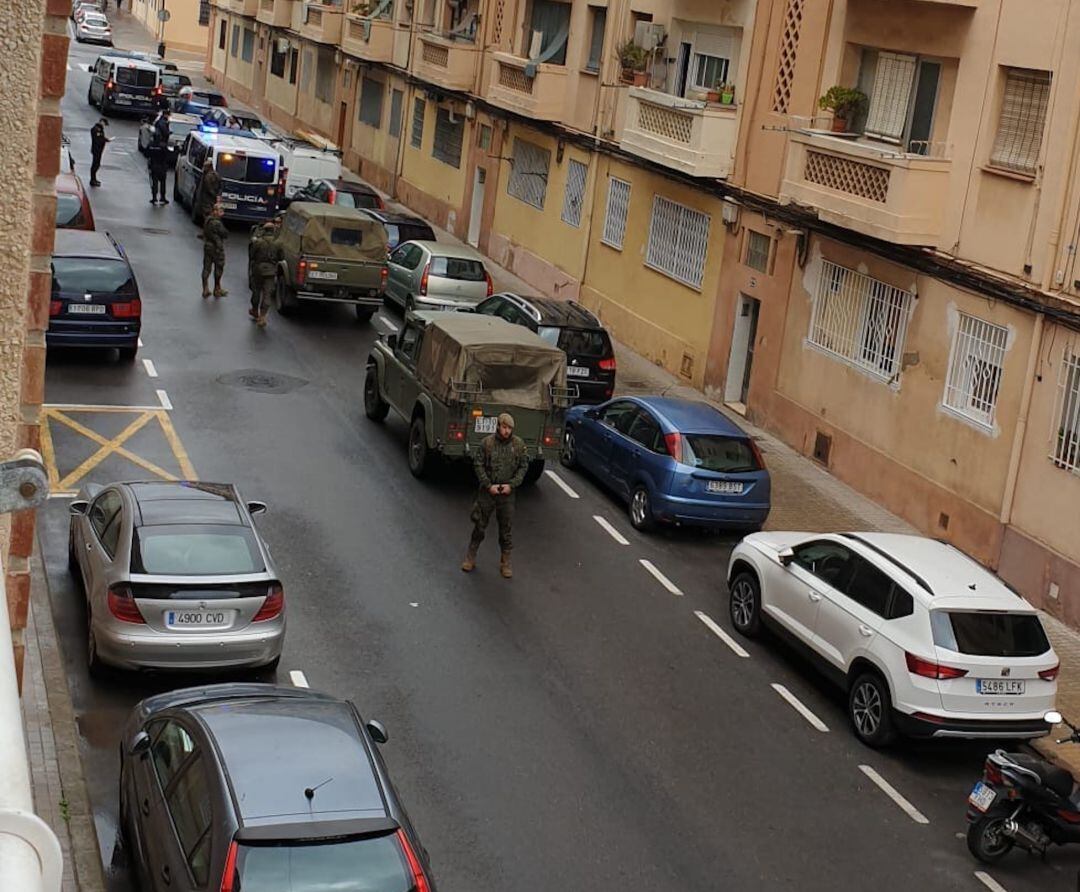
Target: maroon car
72,205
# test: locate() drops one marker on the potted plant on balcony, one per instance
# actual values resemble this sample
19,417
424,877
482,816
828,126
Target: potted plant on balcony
845,104
727,94
633,59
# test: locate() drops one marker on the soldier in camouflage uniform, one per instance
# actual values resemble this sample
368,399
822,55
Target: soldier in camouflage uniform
500,465
213,235
264,253
206,195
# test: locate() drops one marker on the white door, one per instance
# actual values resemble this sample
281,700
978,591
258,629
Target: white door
477,209
743,334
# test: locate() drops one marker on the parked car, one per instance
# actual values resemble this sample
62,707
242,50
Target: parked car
343,193
401,227
180,105
672,460
590,358
259,787
95,299
176,576
172,82
435,276
93,27
72,205
180,125
237,119
79,7
925,641
203,95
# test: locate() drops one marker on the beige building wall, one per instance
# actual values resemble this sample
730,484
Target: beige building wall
374,151
183,31
430,186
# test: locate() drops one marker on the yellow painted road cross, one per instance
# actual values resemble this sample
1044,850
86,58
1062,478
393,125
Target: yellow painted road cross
108,446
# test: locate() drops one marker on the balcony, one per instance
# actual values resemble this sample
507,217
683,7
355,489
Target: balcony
969,4
868,187
241,7
541,95
323,24
274,12
446,62
369,38
684,134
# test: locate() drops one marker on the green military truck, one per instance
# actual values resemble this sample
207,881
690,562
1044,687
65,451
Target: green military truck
451,374
330,254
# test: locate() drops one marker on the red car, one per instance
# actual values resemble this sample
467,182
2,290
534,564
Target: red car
72,205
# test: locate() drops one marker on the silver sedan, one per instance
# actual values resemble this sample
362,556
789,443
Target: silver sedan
176,577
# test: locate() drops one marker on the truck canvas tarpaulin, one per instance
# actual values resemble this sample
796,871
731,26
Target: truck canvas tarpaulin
327,230
510,364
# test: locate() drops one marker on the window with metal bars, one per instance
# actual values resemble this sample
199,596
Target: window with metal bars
618,207
758,248
371,97
975,367
1065,439
860,320
574,196
678,241
204,12
1023,119
529,173
448,138
417,138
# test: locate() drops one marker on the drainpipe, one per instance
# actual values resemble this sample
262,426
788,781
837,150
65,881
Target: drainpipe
1065,214
406,115
1021,423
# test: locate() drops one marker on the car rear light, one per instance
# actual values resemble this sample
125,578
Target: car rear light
379,203
420,882
673,442
272,606
157,91
54,307
607,365
992,773
108,85
551,436
758,457
127,309
383,273
456,431
122,605
228,876
283,175
490,284
424,279
333,196
930,669
1050,674
301,272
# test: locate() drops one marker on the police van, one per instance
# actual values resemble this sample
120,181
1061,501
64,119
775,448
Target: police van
124,84
250,172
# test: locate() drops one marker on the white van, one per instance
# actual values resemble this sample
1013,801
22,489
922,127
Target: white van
249,170
305,162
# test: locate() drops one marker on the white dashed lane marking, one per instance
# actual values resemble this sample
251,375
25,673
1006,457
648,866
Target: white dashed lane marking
661,578
802,710
562,484
610,530
889,790
298,678
988,881
149,366
721,634
163,398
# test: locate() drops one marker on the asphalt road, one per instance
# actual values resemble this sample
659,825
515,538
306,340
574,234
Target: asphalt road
577,728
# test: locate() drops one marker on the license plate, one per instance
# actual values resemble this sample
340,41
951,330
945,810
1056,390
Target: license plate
319,274
982,797
999,686
727,487
577,371
196,619
486,425
122,101
229,205
86,309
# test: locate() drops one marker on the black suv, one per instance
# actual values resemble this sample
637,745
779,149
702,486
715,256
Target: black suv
590,358
401,227
238,786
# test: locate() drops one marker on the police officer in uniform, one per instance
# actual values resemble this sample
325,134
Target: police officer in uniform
98,140
213,235
157,159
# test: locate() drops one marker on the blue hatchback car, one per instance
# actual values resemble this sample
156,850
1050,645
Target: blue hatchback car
674,461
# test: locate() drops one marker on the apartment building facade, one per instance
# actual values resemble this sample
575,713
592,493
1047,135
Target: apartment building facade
892,290
180,25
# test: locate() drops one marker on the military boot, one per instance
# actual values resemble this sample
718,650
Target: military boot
205,288
218,290
504,565
469,564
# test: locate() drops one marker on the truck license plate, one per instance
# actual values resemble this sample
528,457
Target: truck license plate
999,686
728,487
982,797
486,424
319,274
197,618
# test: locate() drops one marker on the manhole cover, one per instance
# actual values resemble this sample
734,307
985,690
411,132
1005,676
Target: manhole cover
262,382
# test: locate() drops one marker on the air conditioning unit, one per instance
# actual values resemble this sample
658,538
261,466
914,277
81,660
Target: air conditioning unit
283,44
649,36
470,110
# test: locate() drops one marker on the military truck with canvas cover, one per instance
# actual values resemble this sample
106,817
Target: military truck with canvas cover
451,374
332,254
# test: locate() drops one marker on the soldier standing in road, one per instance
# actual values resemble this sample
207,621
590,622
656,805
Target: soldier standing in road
500,465
213,236
157,159
209,189
264,254
98,140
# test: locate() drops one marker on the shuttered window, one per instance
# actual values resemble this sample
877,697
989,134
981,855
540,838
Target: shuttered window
419,107
1023,119
975,366
1065,437
396,97
678,241
529,173
371,97
574,196
893,79
618,206
448,138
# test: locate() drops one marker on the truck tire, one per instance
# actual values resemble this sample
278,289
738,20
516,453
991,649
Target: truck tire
419,453
536,468
364,314
375,407
284,296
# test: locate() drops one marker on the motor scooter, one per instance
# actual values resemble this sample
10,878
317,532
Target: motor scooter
1024,801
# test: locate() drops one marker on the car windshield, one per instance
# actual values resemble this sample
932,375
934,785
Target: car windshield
727,455
68,209
136,77
356,200
460,268
372,864
989,633
91,274
179,129
244,169
95,19
175,80
195,550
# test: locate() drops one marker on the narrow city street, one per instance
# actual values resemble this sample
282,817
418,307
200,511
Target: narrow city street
592,724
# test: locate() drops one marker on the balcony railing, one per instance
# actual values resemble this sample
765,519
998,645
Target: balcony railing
443,60
370,38
323,24
869,187
275,12
242,7
537,90
684,134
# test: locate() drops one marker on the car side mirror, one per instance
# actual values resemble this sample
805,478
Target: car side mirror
785,556
140,744
79,508
377,731
256,507
391,341
1053,717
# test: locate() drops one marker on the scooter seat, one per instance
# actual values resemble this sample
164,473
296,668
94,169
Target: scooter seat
1057,779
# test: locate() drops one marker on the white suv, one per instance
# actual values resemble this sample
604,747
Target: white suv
925,640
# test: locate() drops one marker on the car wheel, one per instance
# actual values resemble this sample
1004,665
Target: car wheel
94,666
410,304
986,839
536,469
284,297
364,314
90,97
744,604
641,516
375,407
418,447
568,456
128,354
176,192
870,710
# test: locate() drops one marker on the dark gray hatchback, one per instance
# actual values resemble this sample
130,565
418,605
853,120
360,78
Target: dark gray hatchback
237,787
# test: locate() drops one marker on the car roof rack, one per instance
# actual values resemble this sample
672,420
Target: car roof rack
923,584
